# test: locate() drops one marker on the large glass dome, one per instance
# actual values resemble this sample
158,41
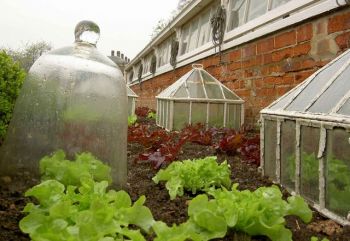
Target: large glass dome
74,98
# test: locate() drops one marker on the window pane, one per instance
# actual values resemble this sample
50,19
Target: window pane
309,184
193,35
199,113
313,88
196,90
181,110
216,114
256,8
229,95
181,92
236,13
338,172
345,109
184,39
333,94
233,116
213,91
270,143
288,142
277,3
204,29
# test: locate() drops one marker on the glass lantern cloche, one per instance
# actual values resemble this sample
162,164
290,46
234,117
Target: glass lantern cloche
74,98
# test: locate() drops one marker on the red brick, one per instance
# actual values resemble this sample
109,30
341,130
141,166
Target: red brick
258,83
272,80
248,51
288,79
282,54
285,39
265,45
302,49
267,59
235,55
281,90
343,40
249,62
301,76
339,23
235,65
304,33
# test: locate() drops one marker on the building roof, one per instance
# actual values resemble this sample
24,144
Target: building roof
325,94
200,85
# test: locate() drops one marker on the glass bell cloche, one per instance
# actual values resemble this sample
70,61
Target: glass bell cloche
74,98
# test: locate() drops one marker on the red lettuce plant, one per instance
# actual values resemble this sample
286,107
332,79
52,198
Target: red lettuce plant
143,111
250,150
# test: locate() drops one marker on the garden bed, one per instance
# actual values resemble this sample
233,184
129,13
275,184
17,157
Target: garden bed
157,198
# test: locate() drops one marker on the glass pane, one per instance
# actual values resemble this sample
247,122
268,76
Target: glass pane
207,78
229,95
181,92
288,142
333,94
181,110
213,91
195,77
233,113
196,90
184,39
257,8
270,144
309,184
276,3
165,112
158,112
130,105
216,114
237,10
168,115
345,109
204,29
314,87
338,172
199,113
193,35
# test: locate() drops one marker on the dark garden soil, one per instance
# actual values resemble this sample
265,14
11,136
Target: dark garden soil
157,198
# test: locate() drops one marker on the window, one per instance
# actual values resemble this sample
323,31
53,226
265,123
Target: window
242,11
256,8
204,30
236,13
184,39
164,52
147,64
131,76
277,3
192,42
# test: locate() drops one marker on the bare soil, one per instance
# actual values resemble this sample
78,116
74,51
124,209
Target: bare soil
140,182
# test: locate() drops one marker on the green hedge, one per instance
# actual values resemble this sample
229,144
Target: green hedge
11,80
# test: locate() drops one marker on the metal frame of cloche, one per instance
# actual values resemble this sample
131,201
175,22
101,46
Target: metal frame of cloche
305,138
199,97
131,100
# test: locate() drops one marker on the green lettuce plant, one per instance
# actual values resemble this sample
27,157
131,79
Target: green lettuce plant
84,213
195,175
260,212
69,172
132,120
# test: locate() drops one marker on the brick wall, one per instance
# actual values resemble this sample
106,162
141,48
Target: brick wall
264,69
